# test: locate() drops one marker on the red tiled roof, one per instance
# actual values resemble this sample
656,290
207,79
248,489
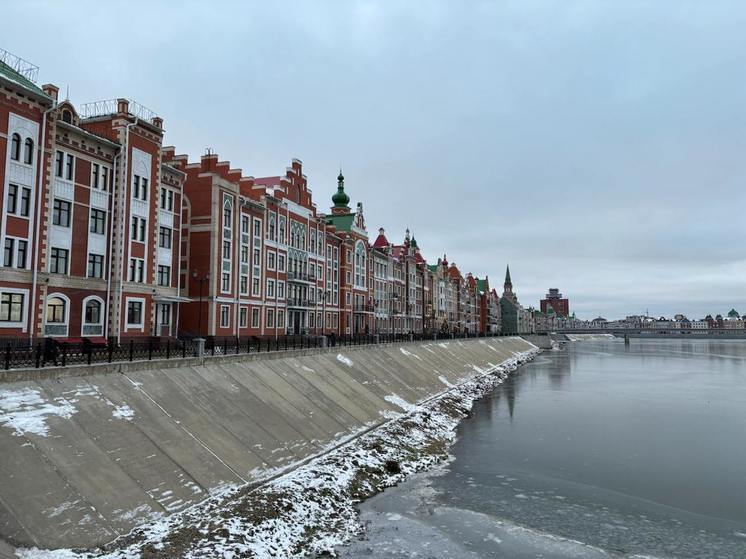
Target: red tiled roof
381,242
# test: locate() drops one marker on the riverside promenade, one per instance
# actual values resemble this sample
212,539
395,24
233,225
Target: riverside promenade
89,453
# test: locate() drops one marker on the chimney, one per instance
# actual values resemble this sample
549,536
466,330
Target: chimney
51,90
123,106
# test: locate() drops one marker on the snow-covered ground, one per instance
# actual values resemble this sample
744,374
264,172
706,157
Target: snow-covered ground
589,337
311,509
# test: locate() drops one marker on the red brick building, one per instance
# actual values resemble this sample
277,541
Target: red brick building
553,299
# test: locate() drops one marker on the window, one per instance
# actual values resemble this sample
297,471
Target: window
11,307
282,229
225,316
9,249
58,164
15,147
243,317
28,151
58,260
244,224
255,317
56,307
61,213
280,289
95,169
257,228
244,254
69,162
164,237
271,227
271,260
226,250
139,226
95,266
12,201
226,284
21,254
167,199
99,176
134,313
257,257
137,270
244,285
97,222
227,213
165,315
164,275
281,319
270,318
93,312
280,262
255,286
270,288
140,188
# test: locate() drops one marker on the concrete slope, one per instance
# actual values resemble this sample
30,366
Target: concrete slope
85,458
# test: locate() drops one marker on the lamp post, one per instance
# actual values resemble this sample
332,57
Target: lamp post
201,280
324,297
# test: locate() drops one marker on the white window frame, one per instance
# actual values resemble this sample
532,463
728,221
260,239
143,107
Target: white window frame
102,318
24,308
131,326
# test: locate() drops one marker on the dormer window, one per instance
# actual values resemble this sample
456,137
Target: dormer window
67,116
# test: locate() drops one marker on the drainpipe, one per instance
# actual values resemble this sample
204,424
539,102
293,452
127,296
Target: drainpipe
117,163
178,262
124,191
37,222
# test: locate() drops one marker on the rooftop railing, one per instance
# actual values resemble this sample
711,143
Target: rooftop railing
19,65
111,107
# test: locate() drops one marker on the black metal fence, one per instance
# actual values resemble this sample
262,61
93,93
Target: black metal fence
18,353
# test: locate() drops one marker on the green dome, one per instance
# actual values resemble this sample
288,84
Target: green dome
340,198
413,244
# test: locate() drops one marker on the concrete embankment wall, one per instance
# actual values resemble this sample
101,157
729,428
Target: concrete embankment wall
84,459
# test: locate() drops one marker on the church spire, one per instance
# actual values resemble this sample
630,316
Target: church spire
508,284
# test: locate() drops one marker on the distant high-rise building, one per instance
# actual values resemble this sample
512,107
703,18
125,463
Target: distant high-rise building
554,300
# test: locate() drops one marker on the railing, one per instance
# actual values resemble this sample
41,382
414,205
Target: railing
298,302
19,65
47,352
111,107
300,276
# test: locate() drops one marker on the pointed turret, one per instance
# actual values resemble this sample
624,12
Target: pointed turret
508,284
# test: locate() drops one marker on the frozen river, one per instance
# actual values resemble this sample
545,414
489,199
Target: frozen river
599,450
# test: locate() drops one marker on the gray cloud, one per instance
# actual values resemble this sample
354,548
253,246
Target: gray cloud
596,146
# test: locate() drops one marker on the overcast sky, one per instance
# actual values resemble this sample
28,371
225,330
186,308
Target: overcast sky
598,147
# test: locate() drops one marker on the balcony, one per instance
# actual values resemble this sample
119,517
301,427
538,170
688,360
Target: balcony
299,277
363,308
298,302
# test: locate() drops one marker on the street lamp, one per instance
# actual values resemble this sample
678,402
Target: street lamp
201,280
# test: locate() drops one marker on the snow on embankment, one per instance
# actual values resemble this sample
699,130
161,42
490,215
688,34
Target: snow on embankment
90,458
312,508
589,337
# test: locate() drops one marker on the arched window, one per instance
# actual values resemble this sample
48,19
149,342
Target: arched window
15,147
56,310
67,116
227,213
28,151
93,316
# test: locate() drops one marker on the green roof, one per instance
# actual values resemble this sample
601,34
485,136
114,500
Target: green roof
343,222
733,313
433,267
11,75
481,285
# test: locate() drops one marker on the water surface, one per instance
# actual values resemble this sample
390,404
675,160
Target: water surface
599,450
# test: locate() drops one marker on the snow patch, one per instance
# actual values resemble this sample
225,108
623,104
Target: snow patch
444,380
346,360
123,412
409,353
400,402
26,411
